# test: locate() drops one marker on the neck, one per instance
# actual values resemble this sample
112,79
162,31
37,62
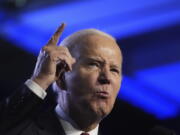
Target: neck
83,115
85,120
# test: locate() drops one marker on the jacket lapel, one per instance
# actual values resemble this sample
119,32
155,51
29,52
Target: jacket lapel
49,124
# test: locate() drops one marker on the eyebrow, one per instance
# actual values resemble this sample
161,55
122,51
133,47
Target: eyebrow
115,66
97,59
100,60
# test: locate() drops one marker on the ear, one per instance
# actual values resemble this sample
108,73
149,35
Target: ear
61,82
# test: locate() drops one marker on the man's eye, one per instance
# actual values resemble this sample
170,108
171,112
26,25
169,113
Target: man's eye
93,64
115,70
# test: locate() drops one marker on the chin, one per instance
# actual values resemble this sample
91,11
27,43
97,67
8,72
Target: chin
102,109
102,113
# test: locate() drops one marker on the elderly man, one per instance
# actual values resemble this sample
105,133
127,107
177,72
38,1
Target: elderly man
85,72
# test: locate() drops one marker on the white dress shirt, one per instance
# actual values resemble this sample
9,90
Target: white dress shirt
67,126
63,117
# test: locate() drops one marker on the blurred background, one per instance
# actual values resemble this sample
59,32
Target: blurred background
148,33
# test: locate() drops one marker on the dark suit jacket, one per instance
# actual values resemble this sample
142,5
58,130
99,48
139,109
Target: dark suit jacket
23,114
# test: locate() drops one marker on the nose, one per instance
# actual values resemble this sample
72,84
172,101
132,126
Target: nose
104,76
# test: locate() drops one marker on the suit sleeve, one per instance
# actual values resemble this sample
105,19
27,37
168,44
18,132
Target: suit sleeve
20,107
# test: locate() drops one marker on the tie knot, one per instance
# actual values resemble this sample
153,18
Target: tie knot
84,134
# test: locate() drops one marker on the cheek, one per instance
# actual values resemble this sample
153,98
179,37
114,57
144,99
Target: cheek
88,77
81,81
116,86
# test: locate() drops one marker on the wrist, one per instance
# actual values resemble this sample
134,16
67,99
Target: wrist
41,82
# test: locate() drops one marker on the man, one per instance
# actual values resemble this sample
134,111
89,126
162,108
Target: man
86,72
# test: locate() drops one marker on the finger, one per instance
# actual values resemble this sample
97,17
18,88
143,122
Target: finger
58,33
62,58
73,60
55,37
64,50
66,62
70,60
60,70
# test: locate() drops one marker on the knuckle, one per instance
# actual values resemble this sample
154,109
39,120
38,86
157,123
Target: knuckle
52,53
63,48
66,48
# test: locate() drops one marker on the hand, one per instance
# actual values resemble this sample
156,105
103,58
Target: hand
52,61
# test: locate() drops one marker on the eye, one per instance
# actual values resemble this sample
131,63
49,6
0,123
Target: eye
93,64
114,70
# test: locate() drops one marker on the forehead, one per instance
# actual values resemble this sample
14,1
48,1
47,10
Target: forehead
100,47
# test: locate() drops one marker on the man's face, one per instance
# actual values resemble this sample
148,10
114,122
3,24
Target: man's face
95,79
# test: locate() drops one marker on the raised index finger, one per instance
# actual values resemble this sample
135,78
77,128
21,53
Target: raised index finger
55,37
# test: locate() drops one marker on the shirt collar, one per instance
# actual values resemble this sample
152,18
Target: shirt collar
68,127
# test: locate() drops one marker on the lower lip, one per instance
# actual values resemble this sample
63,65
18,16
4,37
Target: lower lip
102,94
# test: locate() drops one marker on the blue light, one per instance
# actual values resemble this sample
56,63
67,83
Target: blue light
155,90
165,80
24,37
31,30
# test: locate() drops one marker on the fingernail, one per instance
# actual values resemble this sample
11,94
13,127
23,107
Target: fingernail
74,60
63,23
